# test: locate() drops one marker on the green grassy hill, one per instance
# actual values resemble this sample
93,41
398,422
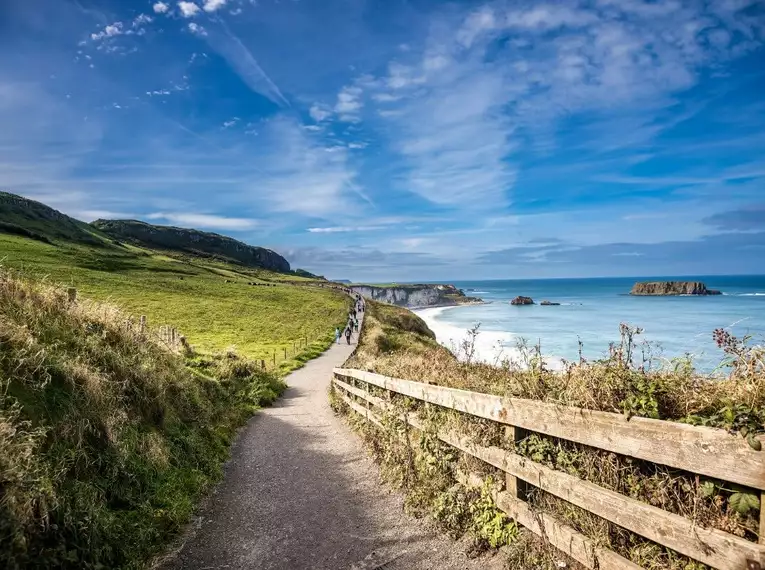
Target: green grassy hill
37,221
215,304
194,242
107,440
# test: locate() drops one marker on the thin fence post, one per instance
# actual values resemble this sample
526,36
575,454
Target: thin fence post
274,358
762,517
262,364
72,294
142,324
285,353
516,488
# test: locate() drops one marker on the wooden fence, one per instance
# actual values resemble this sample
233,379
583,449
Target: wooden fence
702,450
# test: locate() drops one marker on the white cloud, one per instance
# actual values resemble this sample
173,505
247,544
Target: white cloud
549,17
109,31
213,5
195,28
386,97
349,103
319,112
230,123
296,173
142,19
188,9
460,107
161,8
344,229
477,23
207,221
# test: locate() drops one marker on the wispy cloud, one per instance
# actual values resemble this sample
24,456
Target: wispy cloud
462,107
207,221
214,5
349,104
750,218
241,60
296,173
195,28
344,229
319,112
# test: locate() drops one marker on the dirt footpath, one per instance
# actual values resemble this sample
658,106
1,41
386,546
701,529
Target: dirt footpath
300,492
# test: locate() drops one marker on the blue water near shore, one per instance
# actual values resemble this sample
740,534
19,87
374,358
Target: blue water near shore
591,311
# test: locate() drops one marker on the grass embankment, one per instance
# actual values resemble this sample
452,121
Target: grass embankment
107,440
396,343
216,305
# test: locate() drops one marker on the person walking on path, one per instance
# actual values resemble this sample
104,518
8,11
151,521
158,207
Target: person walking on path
337,335
348,334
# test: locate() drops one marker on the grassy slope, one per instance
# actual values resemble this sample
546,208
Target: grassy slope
106,440
396,343
191,294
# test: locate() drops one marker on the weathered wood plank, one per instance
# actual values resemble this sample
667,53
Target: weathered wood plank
713,547
379,402
707,451
561,536
366,412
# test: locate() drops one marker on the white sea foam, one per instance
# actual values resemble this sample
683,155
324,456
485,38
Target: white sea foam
752,295
492,347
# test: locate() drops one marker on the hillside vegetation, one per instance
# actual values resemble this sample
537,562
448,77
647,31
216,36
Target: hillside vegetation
32,219
195,242
106,439
396,343
216,304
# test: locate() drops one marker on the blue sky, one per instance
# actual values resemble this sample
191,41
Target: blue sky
403,139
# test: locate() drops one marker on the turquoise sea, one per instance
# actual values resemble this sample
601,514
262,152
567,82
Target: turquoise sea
591,311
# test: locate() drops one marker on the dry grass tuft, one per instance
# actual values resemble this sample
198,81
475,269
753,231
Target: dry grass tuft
106,438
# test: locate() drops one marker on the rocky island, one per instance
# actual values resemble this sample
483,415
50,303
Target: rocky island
416,296
664,288
521,300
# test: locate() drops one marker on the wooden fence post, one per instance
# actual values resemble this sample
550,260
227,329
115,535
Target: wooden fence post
762,517
517,488
142,324
72,294
262,364
285,353
274,358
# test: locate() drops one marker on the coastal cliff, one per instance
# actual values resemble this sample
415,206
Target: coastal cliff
672,288
416,296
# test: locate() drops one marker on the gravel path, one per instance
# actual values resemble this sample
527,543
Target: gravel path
300,493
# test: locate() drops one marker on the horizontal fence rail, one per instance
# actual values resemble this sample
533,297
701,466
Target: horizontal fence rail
703,450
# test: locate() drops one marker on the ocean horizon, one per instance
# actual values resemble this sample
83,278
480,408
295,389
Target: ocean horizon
591,311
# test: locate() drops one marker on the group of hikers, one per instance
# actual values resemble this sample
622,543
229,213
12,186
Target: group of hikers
353,321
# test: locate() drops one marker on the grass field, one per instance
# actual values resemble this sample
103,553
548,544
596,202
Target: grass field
107,439
210,302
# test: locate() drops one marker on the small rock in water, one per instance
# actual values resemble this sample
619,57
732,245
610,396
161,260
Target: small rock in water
548,303
521,300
